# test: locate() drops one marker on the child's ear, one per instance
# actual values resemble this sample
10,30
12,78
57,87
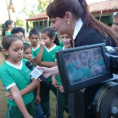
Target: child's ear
5,51
53,38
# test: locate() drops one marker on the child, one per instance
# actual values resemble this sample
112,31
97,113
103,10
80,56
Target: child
95,68
34,39
19,31
67,41
84,64
49,48
74,67
15,76
28,55
27,51
62,98
7,28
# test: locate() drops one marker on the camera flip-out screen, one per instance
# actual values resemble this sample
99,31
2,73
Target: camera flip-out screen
83,66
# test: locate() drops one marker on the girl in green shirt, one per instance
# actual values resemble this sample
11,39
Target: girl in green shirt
15,76
47,57
6,30
7,27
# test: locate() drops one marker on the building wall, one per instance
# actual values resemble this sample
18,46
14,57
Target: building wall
40,25
105,18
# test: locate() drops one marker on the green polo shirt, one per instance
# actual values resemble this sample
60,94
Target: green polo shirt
12,75
49,55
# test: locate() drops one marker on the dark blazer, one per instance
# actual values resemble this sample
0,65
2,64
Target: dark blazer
91,36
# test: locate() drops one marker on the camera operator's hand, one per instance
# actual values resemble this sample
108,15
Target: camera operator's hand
61,89
54,81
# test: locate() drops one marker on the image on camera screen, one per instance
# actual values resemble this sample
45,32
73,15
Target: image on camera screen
84,64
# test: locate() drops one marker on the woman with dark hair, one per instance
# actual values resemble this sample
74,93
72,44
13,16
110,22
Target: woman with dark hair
7,27
73,17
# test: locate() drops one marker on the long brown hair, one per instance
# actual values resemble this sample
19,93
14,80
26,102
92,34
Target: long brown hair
79,9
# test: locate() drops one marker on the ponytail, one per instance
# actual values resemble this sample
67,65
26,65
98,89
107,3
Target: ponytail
56,41
3,30
5,27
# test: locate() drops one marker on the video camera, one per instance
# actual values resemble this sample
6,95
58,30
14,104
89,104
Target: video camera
87,76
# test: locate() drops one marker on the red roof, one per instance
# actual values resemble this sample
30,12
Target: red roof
38,17
108,6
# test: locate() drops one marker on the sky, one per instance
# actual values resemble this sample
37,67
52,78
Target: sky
18,4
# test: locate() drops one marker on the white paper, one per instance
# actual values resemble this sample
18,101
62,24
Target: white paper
36,73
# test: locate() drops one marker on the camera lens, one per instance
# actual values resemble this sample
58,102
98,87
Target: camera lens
106,101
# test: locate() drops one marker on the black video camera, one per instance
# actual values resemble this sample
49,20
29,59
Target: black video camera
87,76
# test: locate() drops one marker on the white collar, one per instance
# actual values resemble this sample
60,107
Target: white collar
17,67
36,48
50,48
63,48
78,26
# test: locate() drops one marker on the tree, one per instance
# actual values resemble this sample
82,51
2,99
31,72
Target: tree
20,22
11,10
43,5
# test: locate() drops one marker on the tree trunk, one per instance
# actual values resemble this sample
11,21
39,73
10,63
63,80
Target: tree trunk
11,10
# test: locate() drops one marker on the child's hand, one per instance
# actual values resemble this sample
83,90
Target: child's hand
9,95
38,99
61,89
54,82
42,44
28,116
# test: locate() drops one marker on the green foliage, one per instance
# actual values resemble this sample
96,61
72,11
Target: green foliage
43,5
20,22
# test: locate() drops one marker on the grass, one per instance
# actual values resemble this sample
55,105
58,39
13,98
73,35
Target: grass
3,104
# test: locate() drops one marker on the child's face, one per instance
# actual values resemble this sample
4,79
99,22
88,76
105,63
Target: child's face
100,56
84,59
66,41
27,54
46,39
89,55
91,62
20,34
11,26
15,51
34,39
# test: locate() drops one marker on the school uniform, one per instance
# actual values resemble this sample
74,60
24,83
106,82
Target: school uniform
8,33
62,100
12,75
38,109
35,51
49,55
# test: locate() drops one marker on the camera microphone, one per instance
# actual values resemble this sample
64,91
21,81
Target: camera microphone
36,73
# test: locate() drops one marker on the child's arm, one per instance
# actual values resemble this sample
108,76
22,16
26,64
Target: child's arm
61,89
54,81
39,56
30,87
75,64
32,60
26,90
38,99
19,101
48,64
